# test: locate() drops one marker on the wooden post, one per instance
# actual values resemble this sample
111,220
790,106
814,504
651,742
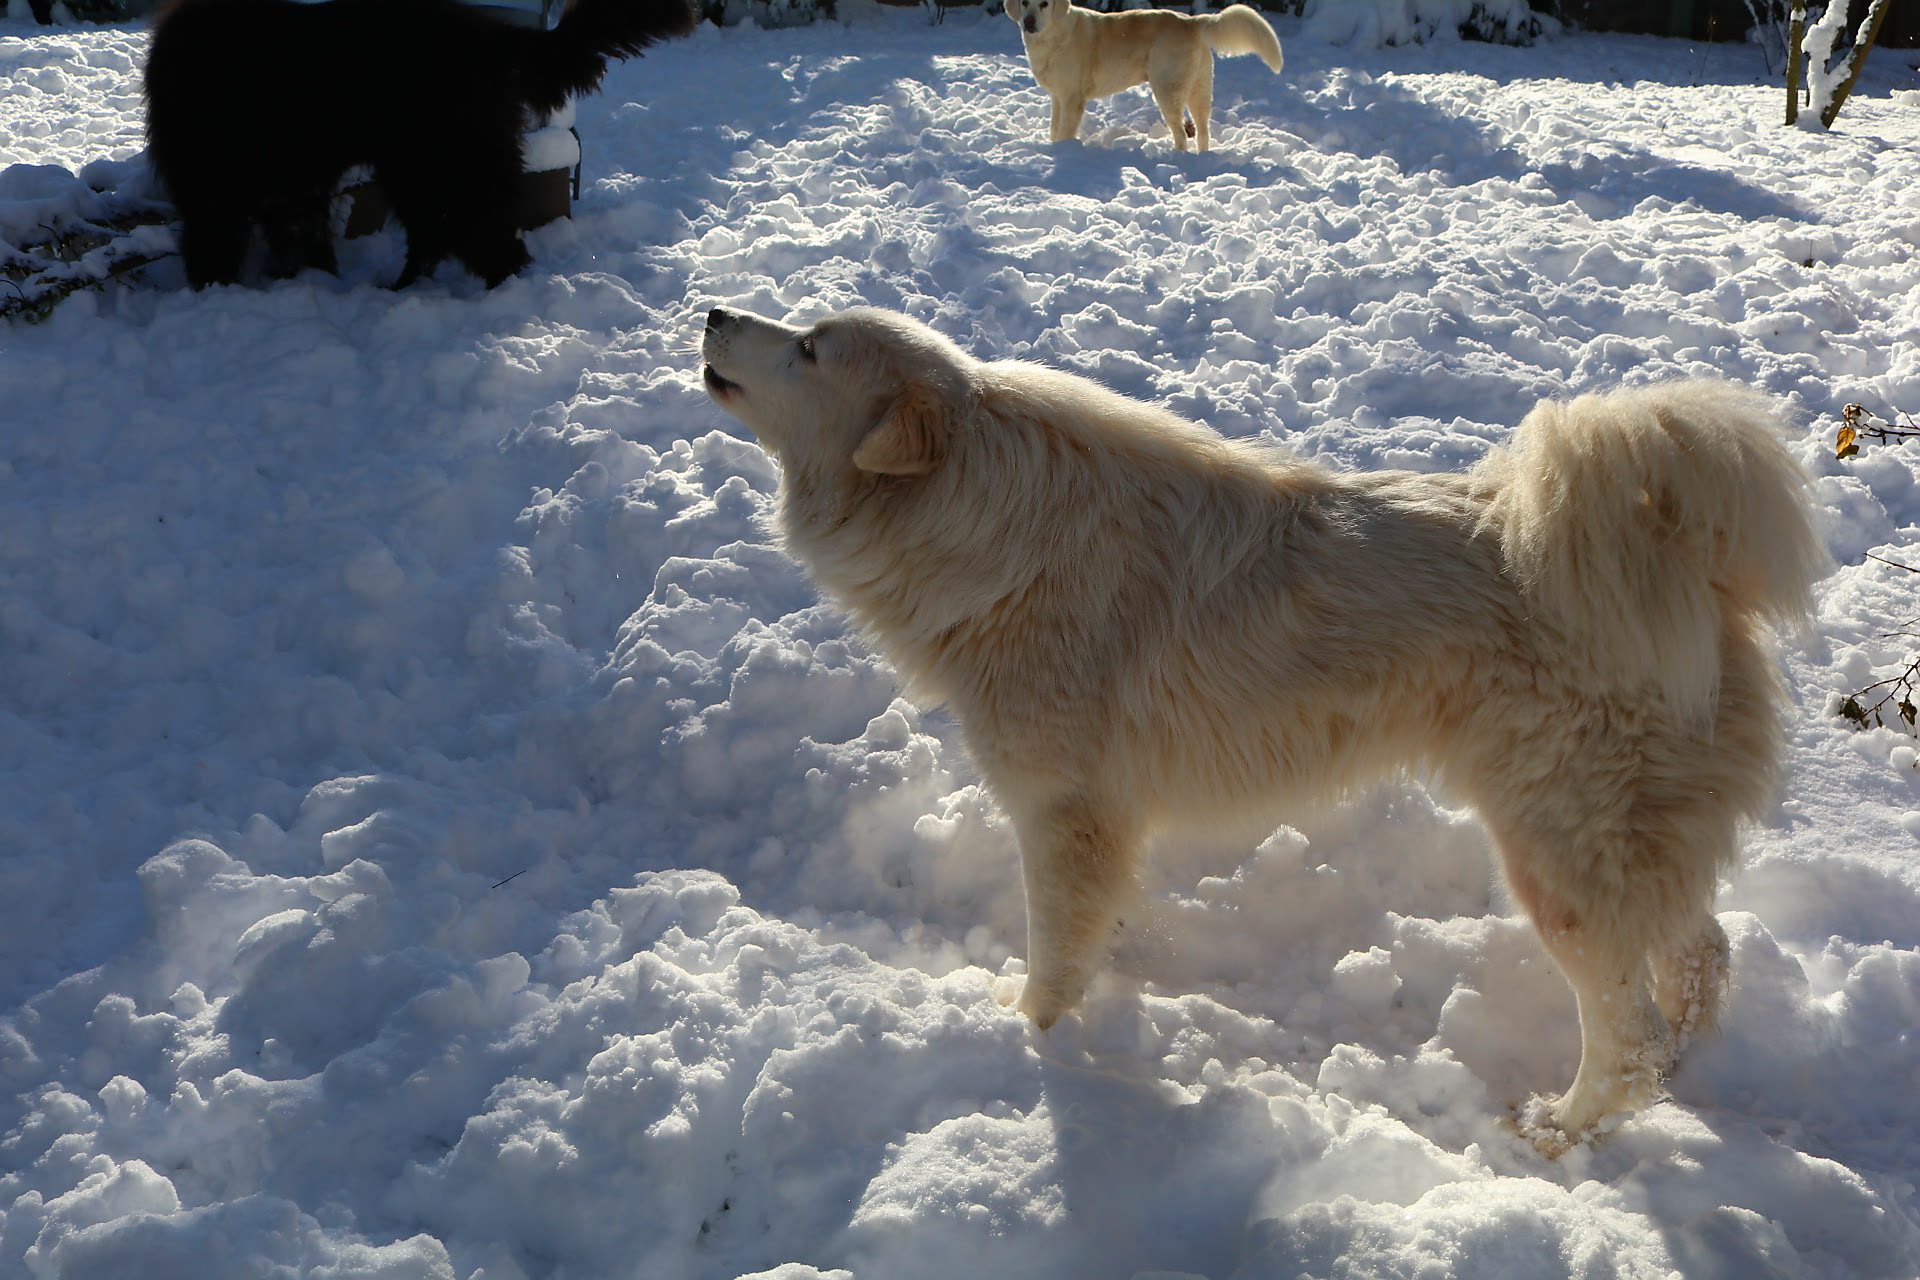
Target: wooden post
1796,32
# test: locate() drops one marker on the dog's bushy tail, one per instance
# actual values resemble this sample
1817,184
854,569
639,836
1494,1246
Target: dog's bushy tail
1237,29
1640,522
572,58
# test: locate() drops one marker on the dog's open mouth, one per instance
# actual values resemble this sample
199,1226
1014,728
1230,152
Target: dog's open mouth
718,385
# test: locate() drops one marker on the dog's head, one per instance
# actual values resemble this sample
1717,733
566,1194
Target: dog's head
860,394
926,491
1034,17
894,473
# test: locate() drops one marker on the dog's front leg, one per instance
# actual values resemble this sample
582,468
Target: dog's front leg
1067,114
1077,862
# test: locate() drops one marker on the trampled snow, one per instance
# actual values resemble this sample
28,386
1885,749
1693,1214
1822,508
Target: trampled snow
441,835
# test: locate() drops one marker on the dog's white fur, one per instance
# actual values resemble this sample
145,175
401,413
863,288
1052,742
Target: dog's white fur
1140,624
1077,54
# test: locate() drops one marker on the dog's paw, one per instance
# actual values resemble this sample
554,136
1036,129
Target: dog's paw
1544,1123
1534,1121
1043,1003
1006,989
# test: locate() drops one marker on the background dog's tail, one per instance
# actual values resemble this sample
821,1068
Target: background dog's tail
1642,522
1237,29
572,58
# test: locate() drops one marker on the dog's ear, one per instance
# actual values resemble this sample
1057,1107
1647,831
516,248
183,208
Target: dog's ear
911,436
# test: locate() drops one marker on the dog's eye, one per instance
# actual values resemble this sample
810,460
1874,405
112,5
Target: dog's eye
807,352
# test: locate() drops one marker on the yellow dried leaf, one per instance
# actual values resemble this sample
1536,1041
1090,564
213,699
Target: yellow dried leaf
1846,445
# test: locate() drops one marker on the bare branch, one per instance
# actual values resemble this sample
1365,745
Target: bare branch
1895,563
1895,691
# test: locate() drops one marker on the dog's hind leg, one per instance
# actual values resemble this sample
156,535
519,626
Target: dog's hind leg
1690,981
1200,105
484,235
1626,1045
493,256
1728,775
1077,862
476,179
425,221
419,183
1171,97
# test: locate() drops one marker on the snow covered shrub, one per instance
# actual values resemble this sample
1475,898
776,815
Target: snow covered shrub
1290,8
765,13
61,232
1828,81
1769,30
936,10
50,11
1378,23
790,13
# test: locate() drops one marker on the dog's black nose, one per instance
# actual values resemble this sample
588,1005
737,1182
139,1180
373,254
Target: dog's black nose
1030,24
717,317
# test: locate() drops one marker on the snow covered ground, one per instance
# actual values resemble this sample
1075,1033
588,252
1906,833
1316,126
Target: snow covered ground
441,836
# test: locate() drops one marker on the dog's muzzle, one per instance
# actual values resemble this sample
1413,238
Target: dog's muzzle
719,320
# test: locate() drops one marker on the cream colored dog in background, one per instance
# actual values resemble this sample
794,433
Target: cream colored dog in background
1139,624
1077,54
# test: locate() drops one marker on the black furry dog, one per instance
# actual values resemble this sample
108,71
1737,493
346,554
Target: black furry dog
256,108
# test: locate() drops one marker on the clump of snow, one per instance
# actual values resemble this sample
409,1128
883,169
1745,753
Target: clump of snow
441,835
550,148
36,199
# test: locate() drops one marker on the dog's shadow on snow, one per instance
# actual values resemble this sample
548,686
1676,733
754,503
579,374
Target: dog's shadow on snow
1172,1180
1109,159
1225,1180
1340,109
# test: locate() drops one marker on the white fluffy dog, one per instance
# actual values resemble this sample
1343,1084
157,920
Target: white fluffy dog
1076,54
1140,624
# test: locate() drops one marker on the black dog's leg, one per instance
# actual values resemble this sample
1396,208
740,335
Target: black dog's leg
213,244
493,257
478,182
319,250
485,237
315,226
300,235
422,215
490,204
